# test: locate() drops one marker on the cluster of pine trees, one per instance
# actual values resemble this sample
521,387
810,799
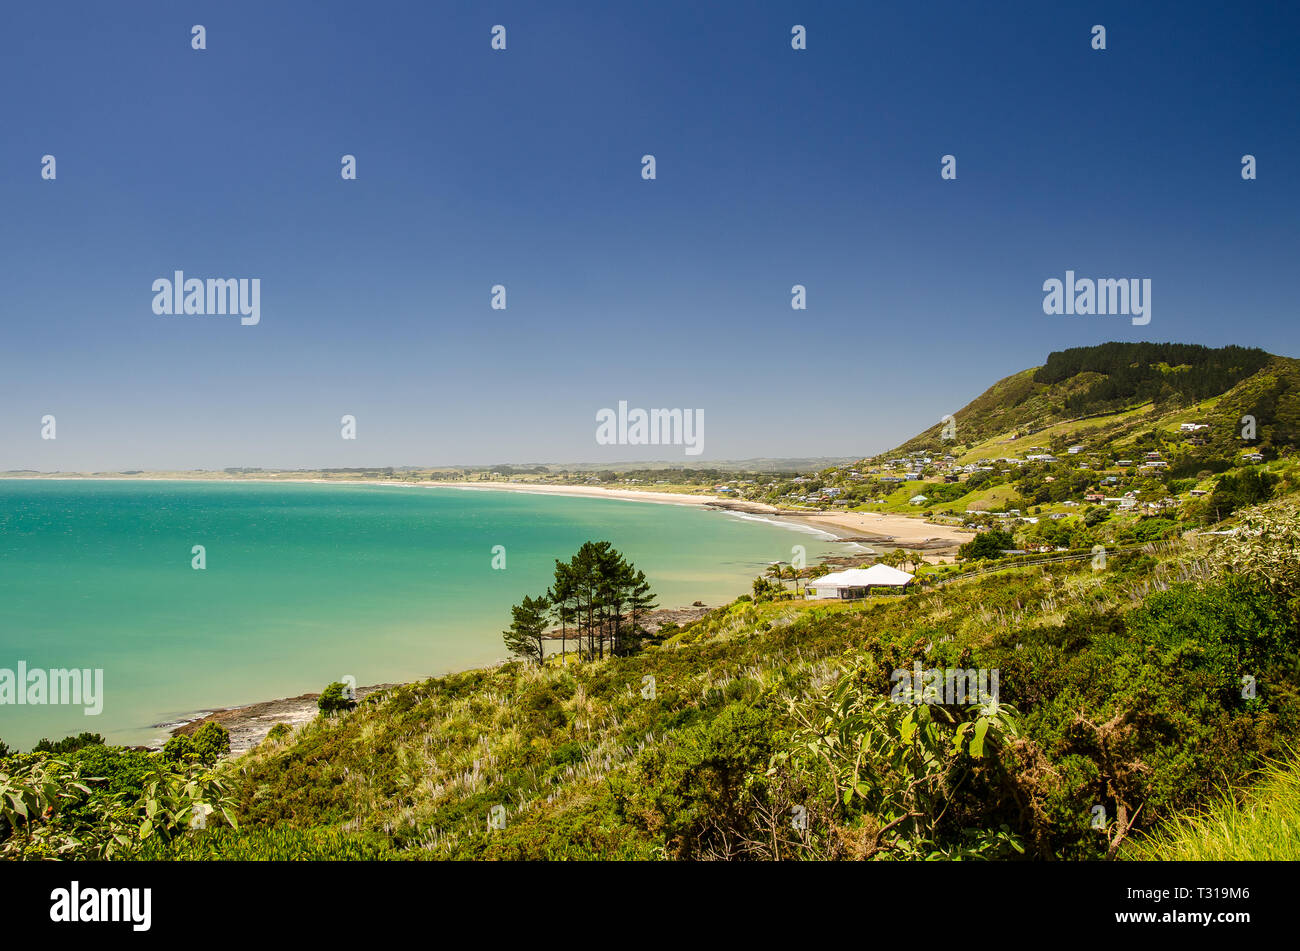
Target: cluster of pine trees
1138,371
598,600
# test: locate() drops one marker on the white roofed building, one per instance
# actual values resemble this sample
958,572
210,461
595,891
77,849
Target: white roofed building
857,582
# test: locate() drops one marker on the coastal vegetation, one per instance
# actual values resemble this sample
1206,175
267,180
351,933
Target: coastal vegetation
1121,689
1258,822
94,801
1133,694
1146,642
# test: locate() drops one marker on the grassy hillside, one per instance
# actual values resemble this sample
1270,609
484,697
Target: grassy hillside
1153,664
1120,689
1117,388
1120,692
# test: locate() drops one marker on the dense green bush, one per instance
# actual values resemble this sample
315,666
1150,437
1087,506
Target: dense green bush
690,792
1148,710
334,699
895,777
1238,490
68,744
989,544
50,810
205,745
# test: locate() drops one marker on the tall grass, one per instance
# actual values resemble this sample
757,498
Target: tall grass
1262,824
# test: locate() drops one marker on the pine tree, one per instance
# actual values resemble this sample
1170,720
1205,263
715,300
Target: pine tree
525,636
598,595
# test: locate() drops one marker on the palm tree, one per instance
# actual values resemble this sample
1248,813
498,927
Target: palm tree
895,558
794,574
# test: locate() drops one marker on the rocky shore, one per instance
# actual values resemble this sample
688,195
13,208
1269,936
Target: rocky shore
249,724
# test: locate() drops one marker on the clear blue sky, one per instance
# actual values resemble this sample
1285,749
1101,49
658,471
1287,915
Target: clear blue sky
522,167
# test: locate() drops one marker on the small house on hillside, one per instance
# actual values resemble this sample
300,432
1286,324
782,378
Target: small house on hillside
857,582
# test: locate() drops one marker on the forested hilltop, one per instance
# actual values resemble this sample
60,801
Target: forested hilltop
1111,378
1136,430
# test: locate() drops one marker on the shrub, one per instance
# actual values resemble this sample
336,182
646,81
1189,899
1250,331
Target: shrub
268,844
1234,491
211,742
279,733
1148,710
689,791
334,699
1266,546
205,746
68,744
178,749
48,809
987,545
899,779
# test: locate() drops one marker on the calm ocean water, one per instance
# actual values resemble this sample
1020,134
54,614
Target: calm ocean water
305,584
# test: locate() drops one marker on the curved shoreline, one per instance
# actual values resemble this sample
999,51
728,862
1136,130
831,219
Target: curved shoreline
902,531
250,722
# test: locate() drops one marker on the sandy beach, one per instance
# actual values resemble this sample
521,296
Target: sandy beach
580,491
902,531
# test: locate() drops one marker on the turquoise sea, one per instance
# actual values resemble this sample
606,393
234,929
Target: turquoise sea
307,583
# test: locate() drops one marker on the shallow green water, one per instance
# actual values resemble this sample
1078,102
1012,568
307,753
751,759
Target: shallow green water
305,584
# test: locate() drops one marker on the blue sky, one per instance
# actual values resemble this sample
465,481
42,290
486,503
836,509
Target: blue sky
775,167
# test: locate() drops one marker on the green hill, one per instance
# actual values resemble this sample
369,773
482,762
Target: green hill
1114,390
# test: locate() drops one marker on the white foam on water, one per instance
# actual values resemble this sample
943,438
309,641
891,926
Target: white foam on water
793,526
